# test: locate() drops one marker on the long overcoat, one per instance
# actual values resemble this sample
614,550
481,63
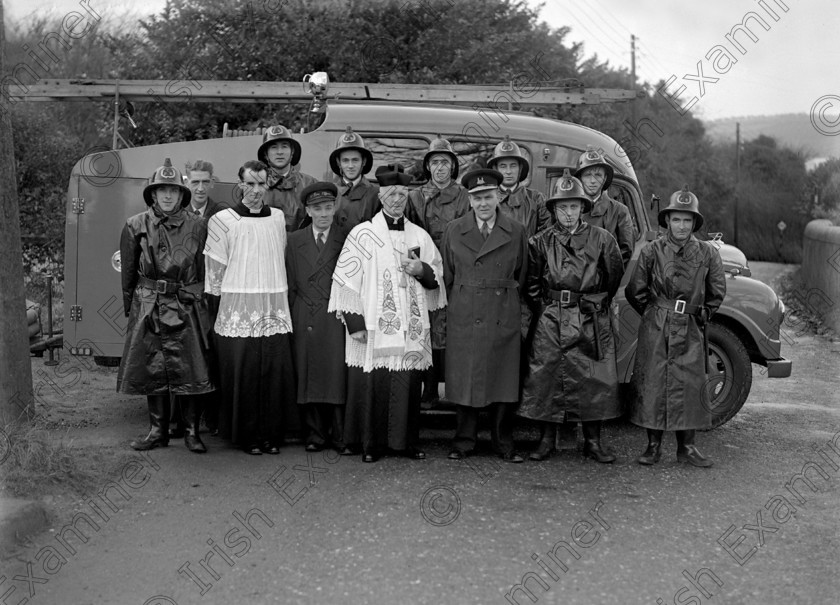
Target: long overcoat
669,375
526,206
318,335
483,281
572,373
167,340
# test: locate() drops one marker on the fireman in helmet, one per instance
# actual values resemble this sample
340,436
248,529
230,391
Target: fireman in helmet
358,199
433,206
167,340
574,270
281,153
518,201
678,284
597,175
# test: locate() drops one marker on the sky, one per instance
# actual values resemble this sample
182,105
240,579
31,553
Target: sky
791,68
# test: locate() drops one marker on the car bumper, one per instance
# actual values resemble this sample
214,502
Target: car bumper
779,368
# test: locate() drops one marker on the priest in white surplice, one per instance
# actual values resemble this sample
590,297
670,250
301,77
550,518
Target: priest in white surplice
386,281
246,285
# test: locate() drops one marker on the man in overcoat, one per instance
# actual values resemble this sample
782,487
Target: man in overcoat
596,174
485,259
358,198
281,153
574,270
433,206
166,345
318,336
678,284
518,201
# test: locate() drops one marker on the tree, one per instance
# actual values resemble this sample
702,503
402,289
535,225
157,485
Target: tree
15,368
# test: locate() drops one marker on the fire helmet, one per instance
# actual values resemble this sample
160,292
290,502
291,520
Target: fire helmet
166,175
683,201
350,140
592,158
509,149
275,134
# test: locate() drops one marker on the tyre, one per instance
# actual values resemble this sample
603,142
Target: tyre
730,374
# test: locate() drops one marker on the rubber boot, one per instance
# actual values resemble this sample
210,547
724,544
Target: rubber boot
654,448
159,421
192,416
592,443
546,446
688,452
176,418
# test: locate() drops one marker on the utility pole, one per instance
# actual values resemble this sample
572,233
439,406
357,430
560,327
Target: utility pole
633,74
737,182
15,367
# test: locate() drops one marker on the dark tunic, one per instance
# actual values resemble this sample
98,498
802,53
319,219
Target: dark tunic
570,378
614,216
357,204
483,281
526,206
166,343
318,335
669,375
284,193
433,209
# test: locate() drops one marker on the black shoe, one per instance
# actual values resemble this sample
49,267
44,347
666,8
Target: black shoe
254,450
457,454
415,453
149,442
512,456
267,448
346,451
194,443
369,458
312,447
593,449
541,454
690,454
651,455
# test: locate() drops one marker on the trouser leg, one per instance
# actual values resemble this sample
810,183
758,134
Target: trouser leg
466,432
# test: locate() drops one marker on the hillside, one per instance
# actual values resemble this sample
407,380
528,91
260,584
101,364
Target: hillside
792,130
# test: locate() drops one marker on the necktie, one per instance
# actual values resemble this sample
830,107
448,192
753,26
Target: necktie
485,230
319,241
196,212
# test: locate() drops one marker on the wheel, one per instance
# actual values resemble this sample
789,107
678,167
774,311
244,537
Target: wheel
730,374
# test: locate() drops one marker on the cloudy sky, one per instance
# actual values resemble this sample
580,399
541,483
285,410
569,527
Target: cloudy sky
792,68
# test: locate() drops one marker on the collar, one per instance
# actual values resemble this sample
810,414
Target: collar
394,224
510,191
491,222
676,246
243,210
161,218
315,233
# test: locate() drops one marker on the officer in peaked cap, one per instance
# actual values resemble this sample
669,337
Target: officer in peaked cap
432,206
518,201
574,272
163,296
596,174
281,153
311,256
384,293
358,199
485,257
678,284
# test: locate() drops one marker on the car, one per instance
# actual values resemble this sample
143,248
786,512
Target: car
106,188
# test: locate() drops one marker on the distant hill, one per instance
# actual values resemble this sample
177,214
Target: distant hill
791,129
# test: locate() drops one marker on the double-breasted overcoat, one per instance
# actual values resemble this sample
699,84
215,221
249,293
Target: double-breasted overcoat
483,280
571,365
166,343
669,375
318,335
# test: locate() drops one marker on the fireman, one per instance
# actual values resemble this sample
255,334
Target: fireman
281,153
597,175
574,270
433,206
166,345
358,199
677,285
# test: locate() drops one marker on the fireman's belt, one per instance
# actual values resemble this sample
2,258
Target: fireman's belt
487,283
161,286
593,301
677,306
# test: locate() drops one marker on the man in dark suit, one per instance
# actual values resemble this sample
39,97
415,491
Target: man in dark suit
485,262
311,256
